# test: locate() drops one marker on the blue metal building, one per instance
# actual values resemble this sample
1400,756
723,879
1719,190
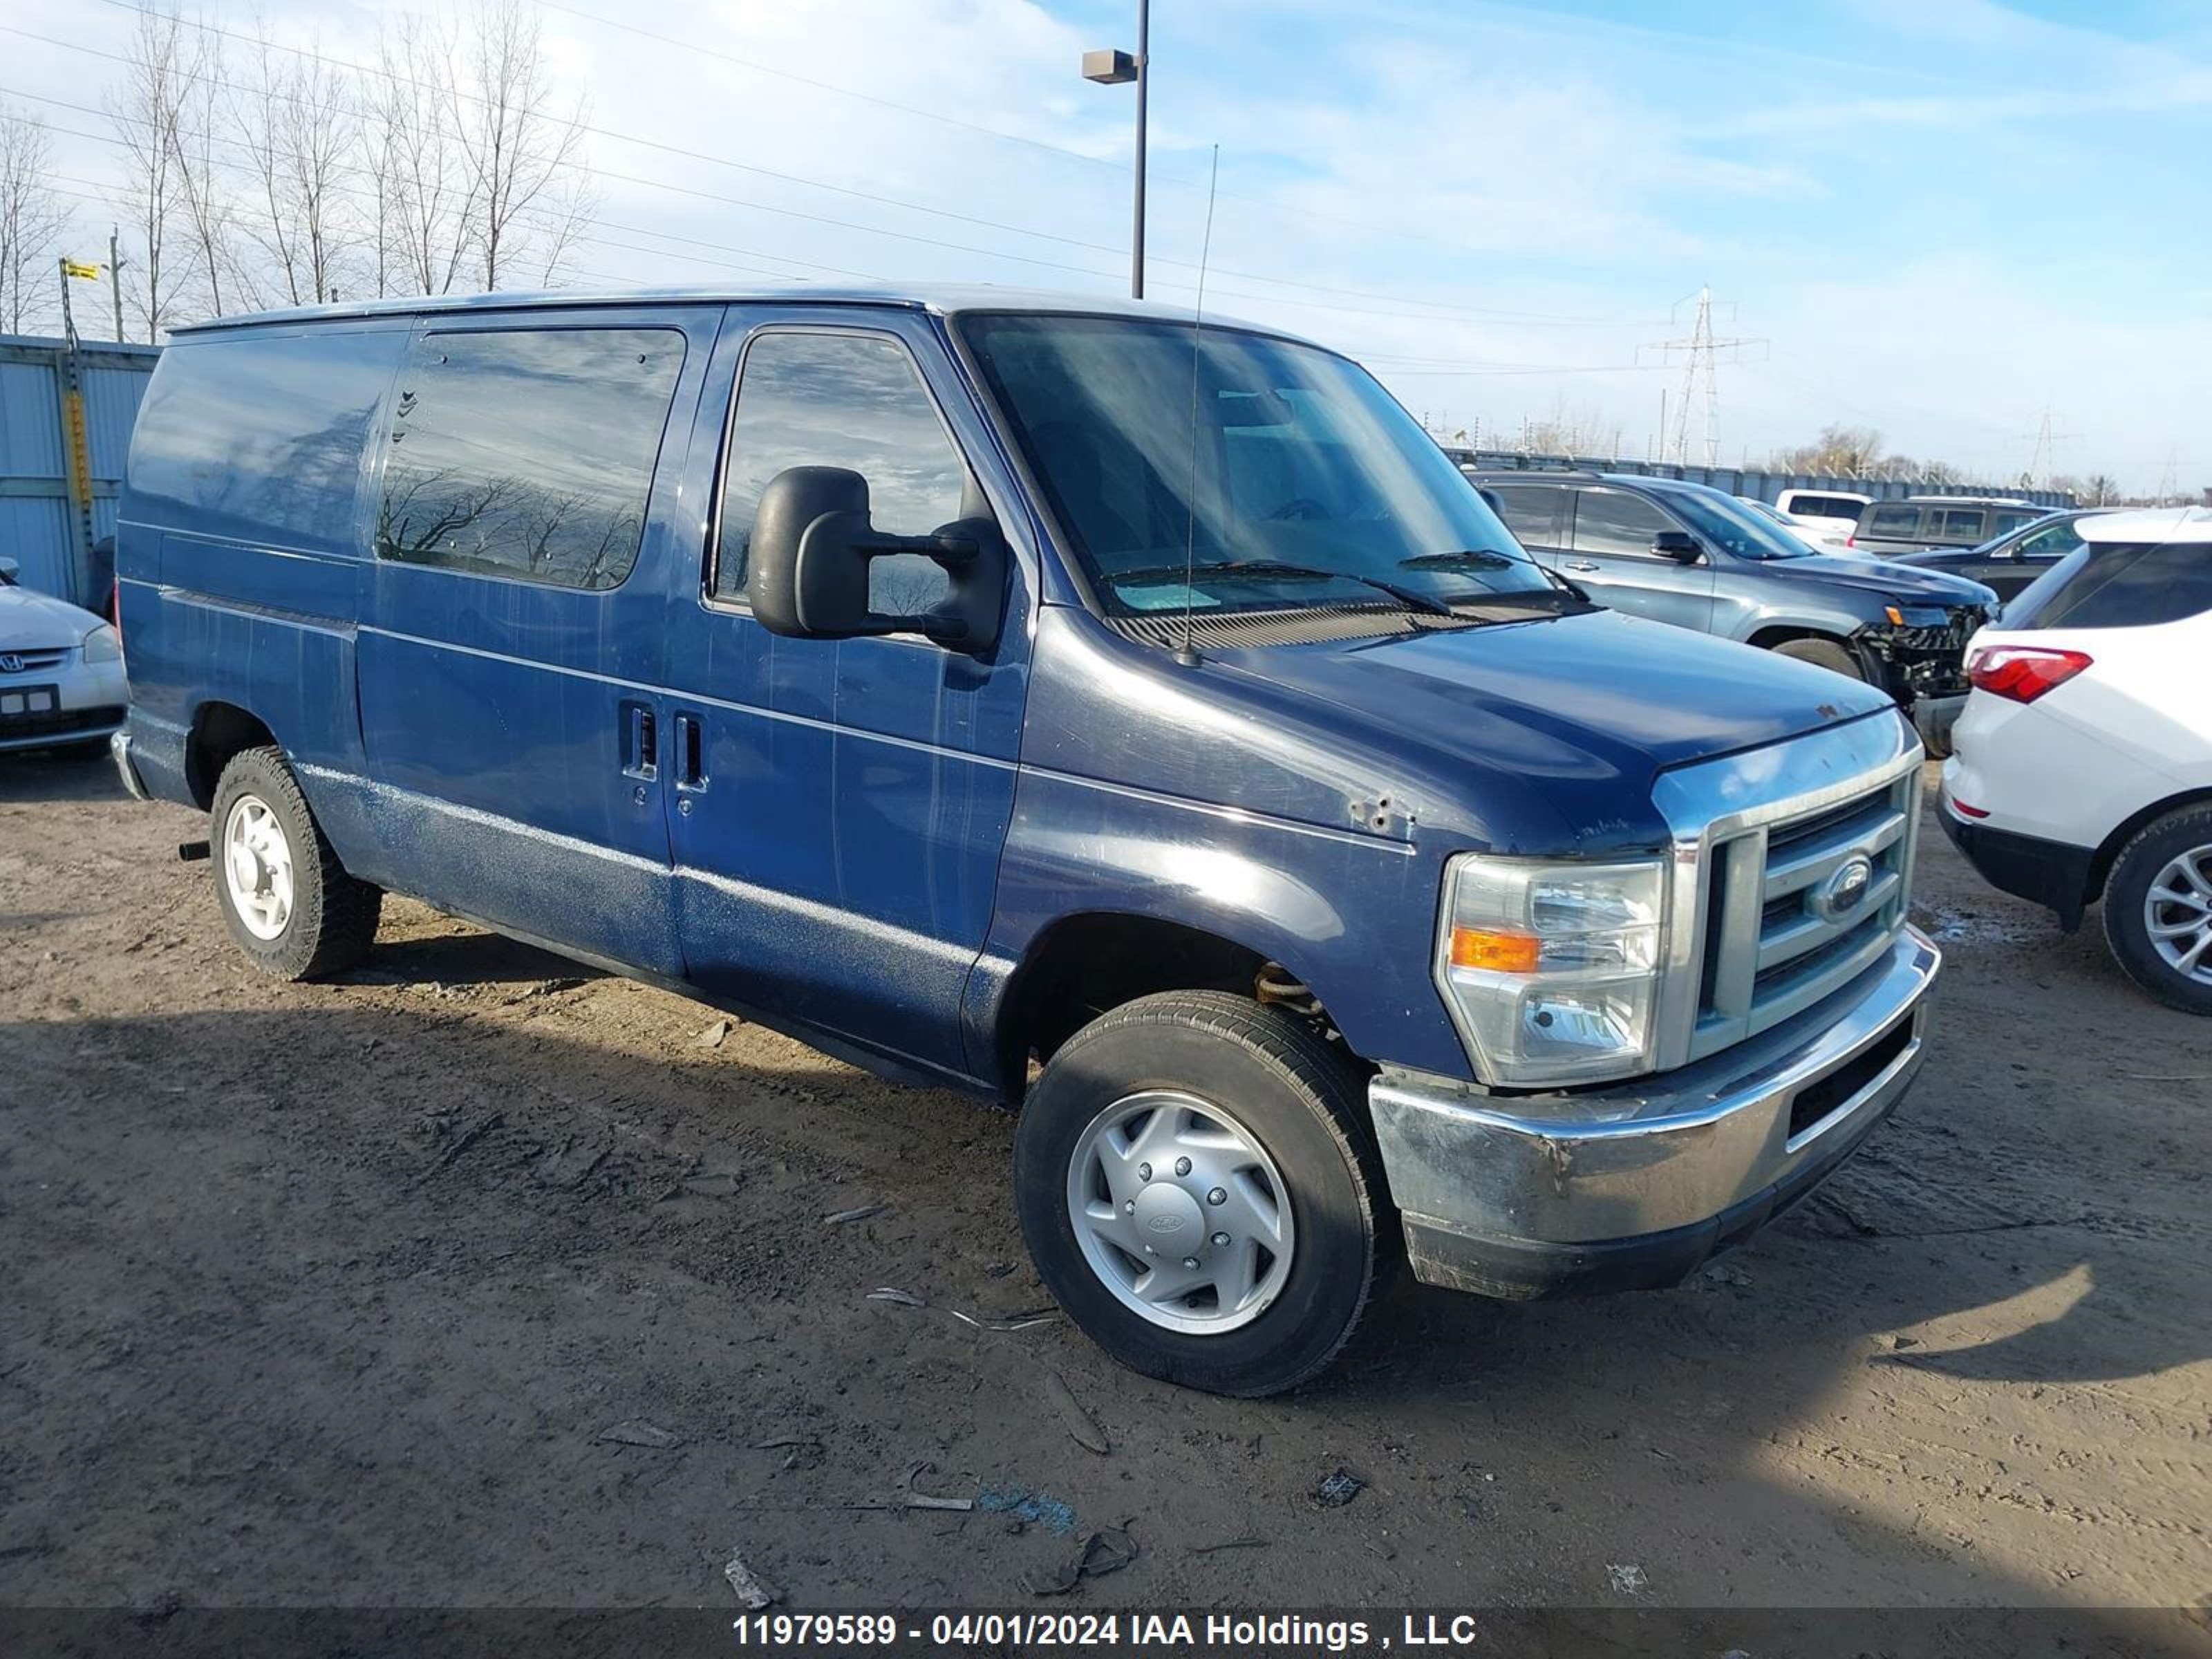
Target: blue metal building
49,515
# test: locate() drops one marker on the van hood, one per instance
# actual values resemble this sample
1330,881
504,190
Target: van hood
36,622
1585,710
1903,583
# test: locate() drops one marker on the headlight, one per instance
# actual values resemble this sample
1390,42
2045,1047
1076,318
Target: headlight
1917,615
1552,970
102,645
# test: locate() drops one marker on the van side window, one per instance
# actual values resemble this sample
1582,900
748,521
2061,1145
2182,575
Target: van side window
1903,522
849,400
1959,523
1824,507
527,453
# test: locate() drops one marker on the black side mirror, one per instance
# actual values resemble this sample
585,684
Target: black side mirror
807,568
1679,545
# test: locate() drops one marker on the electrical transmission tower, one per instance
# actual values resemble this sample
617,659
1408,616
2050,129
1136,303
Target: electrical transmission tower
1701,389
2169,481
2046,438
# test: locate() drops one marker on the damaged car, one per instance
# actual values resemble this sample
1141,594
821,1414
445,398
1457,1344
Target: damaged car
1695,556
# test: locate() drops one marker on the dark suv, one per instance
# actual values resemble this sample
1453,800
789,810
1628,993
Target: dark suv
1695,556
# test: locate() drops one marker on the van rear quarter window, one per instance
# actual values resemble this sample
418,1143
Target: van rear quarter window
1893,521
527,453
258,437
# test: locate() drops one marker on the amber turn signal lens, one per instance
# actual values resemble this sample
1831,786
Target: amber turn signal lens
1502,953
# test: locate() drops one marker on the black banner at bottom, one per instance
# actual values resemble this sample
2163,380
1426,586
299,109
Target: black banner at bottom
1138,1633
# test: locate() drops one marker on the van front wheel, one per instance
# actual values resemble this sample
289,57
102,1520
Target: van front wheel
286,900
1198,1188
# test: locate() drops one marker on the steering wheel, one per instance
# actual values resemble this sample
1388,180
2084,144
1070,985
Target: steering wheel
1301,506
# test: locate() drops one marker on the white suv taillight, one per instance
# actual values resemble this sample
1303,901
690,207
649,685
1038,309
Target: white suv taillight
2023,673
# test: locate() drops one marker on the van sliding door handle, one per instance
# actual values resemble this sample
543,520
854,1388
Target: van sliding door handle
690,754
1578,564
641,742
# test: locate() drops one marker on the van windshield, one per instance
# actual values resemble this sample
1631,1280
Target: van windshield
1303,483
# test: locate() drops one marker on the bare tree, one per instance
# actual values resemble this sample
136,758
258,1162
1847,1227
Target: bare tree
426,200
1841,452
32,217
516,143
566,219
191,116
299,129
143,108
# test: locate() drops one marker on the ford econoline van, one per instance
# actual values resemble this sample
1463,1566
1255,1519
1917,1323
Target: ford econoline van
1136,721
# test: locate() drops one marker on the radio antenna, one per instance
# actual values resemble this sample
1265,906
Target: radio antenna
1188,653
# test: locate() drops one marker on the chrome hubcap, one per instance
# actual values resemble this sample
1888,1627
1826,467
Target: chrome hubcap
2177,914
257,866
1181,1213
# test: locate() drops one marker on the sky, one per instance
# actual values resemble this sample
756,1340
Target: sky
1957,222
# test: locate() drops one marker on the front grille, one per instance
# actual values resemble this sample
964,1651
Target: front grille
1931,662
24,662
70,722
1798,907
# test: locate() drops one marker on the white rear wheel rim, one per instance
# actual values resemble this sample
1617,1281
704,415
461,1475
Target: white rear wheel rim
257,866
2177,914
1181,1213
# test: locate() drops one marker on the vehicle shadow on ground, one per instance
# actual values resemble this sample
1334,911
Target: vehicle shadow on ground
470,958
28,776
1707,1378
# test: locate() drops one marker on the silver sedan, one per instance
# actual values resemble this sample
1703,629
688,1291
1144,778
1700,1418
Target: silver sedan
61,670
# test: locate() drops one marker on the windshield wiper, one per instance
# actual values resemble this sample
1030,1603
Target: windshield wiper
1472,558
1263,568
1483,558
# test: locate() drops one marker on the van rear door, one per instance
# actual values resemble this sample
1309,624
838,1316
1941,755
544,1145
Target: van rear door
838,806
511,655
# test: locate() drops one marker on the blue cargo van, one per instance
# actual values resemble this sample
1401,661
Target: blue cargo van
1136,722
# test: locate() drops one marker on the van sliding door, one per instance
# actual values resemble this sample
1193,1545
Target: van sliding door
510,661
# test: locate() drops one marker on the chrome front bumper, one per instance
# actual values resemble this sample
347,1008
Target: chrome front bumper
1634,1187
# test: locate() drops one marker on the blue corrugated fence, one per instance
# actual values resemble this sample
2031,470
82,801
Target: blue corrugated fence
41,526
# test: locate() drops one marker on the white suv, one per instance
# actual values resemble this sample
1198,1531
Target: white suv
2084,756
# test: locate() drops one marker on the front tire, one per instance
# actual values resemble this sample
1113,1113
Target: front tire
2158,909
1200,1191
288,903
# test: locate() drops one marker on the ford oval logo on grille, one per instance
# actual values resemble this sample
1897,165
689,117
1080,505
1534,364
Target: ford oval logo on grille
1844,890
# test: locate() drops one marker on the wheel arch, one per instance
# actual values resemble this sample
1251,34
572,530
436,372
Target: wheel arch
220,733
1087,963
2108,850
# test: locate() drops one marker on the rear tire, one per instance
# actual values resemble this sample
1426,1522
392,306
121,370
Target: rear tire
2164,943
1823,654
286,900
1246,1143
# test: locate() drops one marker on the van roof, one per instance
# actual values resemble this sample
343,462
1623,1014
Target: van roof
942,299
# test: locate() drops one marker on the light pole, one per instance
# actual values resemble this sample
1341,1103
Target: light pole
1110,68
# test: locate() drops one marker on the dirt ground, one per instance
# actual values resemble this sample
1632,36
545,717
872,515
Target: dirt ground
481,1279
